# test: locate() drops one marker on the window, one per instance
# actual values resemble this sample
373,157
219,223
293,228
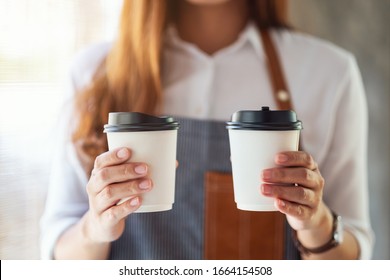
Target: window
38,40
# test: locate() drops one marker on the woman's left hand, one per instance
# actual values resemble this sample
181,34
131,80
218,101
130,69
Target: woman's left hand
297,186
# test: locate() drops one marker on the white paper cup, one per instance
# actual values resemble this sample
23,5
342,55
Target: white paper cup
255,138
152,140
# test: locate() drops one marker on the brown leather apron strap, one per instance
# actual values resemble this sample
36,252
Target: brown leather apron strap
275,71
280,88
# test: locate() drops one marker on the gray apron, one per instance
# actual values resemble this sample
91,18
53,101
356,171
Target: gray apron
179,233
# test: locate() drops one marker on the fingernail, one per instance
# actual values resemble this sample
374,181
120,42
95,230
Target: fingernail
134,201
267,174
266,189
144,185
281,158
140,169
122,153
282,203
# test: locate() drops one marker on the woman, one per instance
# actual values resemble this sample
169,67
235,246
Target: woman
203,60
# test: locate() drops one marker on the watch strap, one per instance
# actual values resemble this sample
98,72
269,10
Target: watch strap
333,242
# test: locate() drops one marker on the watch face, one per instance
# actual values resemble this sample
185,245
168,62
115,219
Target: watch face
339,231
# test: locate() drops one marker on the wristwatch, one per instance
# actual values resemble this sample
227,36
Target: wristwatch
335,240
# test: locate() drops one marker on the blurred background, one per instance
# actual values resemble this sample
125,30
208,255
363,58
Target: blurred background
38,41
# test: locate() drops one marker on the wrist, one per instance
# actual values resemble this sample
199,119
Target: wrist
320,229
87,230
96,249
321,239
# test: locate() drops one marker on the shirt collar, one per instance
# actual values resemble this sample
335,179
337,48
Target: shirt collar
253,36
250,35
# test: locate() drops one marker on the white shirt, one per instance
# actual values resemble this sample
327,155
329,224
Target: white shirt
327,94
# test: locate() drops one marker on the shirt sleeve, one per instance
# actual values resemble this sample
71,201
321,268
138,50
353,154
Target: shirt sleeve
66,200
345,166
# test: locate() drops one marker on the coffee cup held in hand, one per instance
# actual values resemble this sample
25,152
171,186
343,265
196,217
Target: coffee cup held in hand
255,138
152,140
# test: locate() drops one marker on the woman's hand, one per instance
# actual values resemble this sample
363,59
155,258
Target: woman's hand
113,178
297,186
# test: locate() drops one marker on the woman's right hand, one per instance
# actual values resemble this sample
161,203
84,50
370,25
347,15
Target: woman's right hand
113,178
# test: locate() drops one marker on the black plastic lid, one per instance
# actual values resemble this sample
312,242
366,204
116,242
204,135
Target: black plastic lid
265,119
134,121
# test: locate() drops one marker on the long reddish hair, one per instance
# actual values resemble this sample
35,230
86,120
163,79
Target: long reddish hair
129,79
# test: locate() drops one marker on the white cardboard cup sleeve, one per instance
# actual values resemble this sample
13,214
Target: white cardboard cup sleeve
153,141
255,137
